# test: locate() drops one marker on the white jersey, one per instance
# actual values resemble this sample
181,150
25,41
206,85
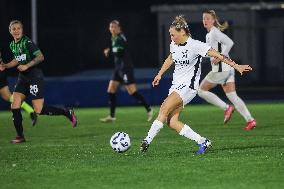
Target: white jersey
187,58
222,43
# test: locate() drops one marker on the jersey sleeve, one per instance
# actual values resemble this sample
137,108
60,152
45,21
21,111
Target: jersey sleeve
201,48
226,42
32,48
121,46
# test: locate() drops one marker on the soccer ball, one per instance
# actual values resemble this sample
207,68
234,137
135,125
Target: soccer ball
120,142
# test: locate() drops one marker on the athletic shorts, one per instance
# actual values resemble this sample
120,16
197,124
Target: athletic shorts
30,87
221,77
3,80
125,77
184,91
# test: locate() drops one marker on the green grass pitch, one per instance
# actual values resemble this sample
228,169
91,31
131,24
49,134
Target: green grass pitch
59,156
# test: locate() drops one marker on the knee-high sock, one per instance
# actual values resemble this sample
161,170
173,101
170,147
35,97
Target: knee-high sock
240,105
52,110
24,105
187,132
154,130
17,119
141,100
112,103
213,99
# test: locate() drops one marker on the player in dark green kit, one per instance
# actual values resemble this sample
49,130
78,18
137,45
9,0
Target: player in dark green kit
30,82
123,72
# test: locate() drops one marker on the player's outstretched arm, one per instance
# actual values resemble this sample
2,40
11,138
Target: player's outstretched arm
11,64
167,64
240,68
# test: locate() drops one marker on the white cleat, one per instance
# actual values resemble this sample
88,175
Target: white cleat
108,119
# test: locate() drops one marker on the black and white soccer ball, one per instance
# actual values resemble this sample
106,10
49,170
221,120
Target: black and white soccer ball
120,142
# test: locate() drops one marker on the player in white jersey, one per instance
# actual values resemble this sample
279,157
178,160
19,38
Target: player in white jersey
186,54
222,74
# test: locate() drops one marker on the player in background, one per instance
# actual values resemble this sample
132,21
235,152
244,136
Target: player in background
186,54
221,73
27,57
7,96
123,72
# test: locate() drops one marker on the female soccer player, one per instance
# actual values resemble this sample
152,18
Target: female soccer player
30,81
186,54
123,72
222,73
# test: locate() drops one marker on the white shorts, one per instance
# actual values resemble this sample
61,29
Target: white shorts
221,77
184,91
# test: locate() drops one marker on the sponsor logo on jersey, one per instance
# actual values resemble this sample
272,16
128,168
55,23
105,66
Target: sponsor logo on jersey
22,57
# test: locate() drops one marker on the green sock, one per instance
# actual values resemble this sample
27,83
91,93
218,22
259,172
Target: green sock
25,106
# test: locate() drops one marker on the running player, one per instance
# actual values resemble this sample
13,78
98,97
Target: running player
222,74
186,53
30,81
123,72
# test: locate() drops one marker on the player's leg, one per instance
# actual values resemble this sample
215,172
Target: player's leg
186,131
7,96
42,109
112,88
25,106
36,92
170,103
17,117
230,90
204,92
132,90
209,82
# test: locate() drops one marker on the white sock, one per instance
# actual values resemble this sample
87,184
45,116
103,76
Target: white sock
240,105
213,99
154,130
187,132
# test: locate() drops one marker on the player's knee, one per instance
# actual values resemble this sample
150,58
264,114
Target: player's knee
164,110
201,92
173,123
16,104
38,108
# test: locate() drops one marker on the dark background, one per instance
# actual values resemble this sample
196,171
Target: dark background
72,35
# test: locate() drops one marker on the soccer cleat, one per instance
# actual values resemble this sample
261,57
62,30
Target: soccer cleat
228,113
108,119
18,140
203,147
33,117
150,115
250,125
70,114
144,146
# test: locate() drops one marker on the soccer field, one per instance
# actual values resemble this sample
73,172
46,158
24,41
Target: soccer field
59,156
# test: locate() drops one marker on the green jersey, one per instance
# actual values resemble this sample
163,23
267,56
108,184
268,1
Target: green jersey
120,52
24,50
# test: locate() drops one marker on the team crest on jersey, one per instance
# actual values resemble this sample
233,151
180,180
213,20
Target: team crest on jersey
184,54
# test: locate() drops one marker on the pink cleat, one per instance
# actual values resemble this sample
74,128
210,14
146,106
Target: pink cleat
250,125
72,117
228,113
